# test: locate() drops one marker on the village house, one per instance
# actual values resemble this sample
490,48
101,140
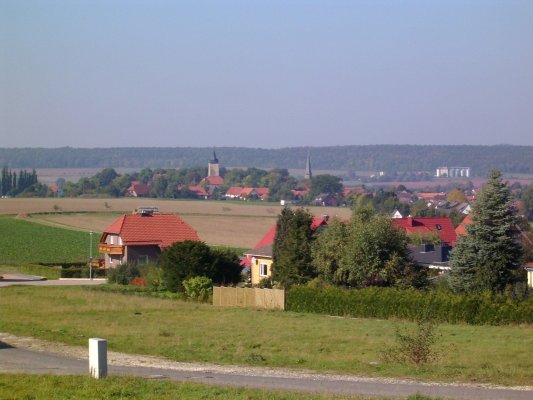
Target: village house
259,259
138,189
429,254
247,193
139,237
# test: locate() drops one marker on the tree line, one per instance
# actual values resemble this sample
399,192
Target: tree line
12,184
392,159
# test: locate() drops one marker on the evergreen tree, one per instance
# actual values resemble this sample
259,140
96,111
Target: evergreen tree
488,257
291,252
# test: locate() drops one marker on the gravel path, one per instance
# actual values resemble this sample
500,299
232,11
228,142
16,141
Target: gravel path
25,354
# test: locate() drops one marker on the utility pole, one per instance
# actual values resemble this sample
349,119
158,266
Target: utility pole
91,255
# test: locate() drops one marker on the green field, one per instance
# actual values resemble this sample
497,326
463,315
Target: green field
187,331
22,241
77,387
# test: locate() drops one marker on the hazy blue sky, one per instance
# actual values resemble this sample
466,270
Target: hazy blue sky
265,73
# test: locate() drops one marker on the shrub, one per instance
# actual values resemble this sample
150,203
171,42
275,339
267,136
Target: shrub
152,275
198,288
81,272
123,274
187,259
415,346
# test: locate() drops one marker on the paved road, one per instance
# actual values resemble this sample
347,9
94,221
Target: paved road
20,279
38,362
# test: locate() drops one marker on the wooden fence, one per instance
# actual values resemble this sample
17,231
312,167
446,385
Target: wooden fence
249,297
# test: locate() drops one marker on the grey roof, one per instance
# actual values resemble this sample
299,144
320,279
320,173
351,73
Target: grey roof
265,251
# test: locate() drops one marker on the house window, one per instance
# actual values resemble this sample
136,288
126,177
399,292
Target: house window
263,269
142,260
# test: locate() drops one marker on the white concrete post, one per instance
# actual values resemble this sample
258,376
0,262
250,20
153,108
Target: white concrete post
98,358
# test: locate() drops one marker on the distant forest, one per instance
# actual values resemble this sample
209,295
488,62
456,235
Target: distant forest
387,158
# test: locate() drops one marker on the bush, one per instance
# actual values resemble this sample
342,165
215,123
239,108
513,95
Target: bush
152,275
188,259
416,346
198,288
123,274
477,309
82,272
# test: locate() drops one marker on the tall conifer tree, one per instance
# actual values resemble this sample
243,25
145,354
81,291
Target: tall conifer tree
488,257
291,252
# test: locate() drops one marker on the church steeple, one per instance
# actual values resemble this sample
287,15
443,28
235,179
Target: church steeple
212,166
308,173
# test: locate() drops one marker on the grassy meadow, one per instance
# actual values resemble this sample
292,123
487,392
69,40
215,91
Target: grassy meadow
25,242
185,331
78,387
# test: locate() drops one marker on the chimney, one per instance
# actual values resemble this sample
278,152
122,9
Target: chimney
409,221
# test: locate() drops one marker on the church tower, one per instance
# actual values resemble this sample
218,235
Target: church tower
212,166
308,173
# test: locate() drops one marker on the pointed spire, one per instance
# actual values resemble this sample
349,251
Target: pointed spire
308,173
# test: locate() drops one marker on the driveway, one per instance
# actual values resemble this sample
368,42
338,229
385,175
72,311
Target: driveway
28,355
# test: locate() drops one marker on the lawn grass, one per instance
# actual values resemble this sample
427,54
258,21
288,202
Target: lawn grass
77,387
199,332
22,241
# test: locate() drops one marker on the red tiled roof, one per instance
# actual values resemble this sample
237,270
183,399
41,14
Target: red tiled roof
214,180
156,229
441,225
247,191
198,190
139,188
299,192
461,229
262,191
234,191
431,196
268,239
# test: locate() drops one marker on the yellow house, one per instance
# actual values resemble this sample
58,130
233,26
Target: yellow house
261,264
529,269
259,259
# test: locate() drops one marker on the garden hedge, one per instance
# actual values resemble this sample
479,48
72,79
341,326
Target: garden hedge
440,306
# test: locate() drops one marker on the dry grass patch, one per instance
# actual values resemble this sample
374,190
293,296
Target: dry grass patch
234,224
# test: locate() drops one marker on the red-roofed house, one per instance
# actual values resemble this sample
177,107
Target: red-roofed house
461,228
234,192
441,225
138,189
213,180
429,254
262,193
199,191
259,259
237,192
139,238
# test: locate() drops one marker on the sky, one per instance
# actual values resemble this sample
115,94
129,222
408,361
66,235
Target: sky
269,74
